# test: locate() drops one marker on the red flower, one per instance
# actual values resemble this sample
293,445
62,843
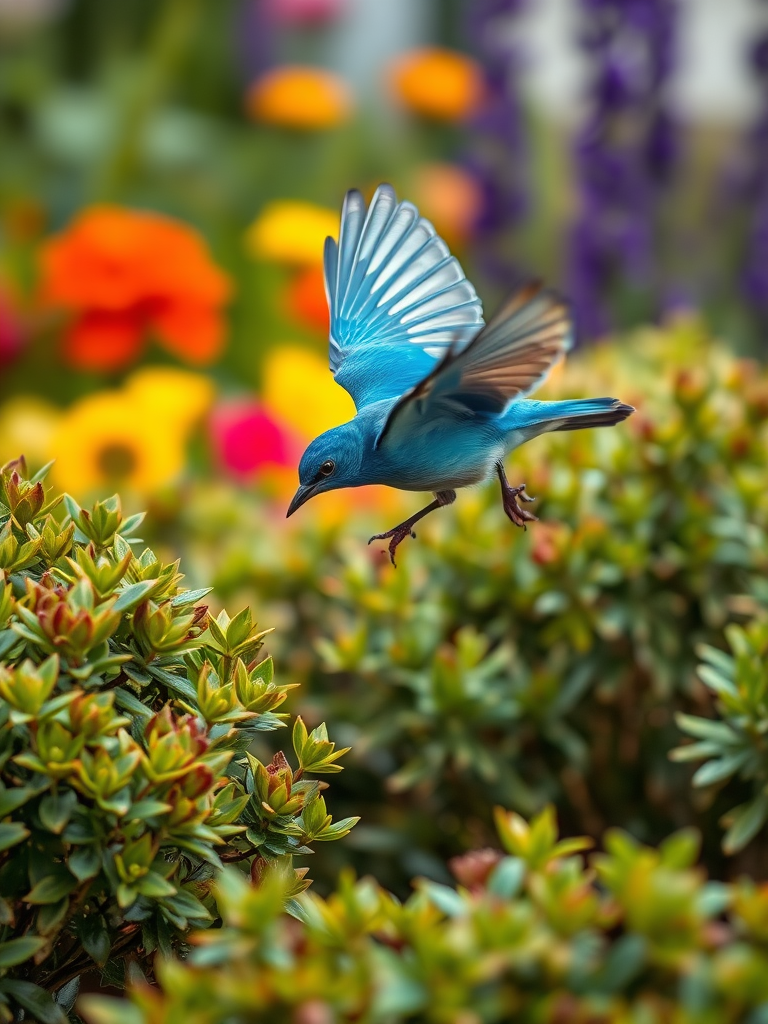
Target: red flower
10,332
126,274
305,299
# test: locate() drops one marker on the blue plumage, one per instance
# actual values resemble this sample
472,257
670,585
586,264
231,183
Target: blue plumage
440,395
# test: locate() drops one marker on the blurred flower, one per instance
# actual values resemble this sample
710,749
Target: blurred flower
292,232
305,299
450,197
301,392
753,188
626,153
107,441
10,331
184,397
304,12
125,274
299,97
438,83
27,424
498,152
246,438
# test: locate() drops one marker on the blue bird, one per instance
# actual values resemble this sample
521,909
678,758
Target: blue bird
440,395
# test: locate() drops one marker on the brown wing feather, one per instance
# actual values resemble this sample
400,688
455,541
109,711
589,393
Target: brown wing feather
506,358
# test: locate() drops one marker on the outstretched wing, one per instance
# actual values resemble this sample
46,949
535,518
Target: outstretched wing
505,360
398,300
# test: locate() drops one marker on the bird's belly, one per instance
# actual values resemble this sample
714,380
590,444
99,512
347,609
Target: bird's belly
433,462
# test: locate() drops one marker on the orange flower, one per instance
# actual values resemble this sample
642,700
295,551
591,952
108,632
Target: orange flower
125,274
438,83
305,299
300,97
450,197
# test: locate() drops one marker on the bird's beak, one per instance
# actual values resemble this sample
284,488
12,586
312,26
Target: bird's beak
303,494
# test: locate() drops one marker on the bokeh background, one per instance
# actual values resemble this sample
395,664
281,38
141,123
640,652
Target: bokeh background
168,172
618,150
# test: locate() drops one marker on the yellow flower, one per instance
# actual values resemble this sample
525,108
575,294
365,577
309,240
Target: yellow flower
110,441
292,232
300,97
27,424
299,390
438,83
185,397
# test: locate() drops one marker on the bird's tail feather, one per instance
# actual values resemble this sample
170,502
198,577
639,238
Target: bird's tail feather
578,413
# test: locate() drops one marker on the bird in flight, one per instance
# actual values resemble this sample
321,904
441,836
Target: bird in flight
441,396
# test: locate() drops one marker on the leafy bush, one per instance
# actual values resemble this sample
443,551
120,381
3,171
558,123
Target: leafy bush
126,714
531,934
733,744
501,667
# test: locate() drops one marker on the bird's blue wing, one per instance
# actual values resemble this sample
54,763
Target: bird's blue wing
397,298
505,360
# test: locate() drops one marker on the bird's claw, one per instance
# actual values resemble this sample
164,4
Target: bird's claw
518,515
395,536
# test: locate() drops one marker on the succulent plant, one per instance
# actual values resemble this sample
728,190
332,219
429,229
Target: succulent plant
126,781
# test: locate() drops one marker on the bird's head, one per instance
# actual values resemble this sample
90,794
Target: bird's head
331,461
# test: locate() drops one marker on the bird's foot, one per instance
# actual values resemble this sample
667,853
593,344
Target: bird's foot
395,536
518,515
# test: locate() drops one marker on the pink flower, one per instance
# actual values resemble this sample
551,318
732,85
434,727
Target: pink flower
304,12
10,332
246,439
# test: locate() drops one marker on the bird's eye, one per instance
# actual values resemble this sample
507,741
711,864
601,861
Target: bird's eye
327,467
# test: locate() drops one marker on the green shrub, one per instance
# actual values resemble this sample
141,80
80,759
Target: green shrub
734,743
501,667
532,934
126,714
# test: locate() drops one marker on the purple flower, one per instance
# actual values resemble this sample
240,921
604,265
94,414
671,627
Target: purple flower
625,156
749,186
499,150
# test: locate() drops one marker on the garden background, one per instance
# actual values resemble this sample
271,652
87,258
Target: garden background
169,172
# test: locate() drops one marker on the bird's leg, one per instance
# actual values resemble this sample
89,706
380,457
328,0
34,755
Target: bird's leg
509,496
405,529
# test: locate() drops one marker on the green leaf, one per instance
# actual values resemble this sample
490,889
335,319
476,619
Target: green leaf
130,524
132,595
722,768
52,888
154,885
147,809
35,1000
707,729
56,809
14,797
681,849
190,597
84,862
94,934
16,951
450,902
507,878
717,682
11,832
745,822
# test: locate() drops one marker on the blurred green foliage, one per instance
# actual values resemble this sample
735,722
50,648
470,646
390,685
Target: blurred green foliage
733,744
126,713
635,936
